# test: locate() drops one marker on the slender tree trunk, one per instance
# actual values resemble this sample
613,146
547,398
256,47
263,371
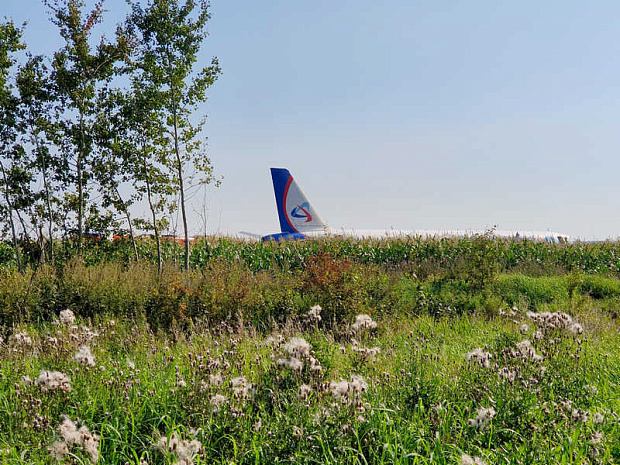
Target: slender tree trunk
80,181
10,214
181,186
131,235
153,213
48,202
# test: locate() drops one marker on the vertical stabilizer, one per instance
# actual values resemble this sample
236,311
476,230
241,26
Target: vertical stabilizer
295,212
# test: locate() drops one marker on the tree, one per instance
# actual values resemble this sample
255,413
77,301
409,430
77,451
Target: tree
37,108
80,73
10,43
169,36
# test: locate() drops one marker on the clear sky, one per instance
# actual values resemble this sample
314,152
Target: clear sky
409,114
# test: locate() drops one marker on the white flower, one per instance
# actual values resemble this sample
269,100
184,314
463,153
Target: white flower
298,347
575,328
525,350
480,357
50,380
597,437
314,315
304,391
84,356
79,437
21,339
293,363
483,418
363,322
241,388
468,460
67,317
185,450
216,379
58,450
365,353
130,364
217,401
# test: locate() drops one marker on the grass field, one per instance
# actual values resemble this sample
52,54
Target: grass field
459,363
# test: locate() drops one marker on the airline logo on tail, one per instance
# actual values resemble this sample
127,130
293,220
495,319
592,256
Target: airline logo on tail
302,211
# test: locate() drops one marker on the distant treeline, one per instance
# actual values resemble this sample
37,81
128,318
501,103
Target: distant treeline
103,124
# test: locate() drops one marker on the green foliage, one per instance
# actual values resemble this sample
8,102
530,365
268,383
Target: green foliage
536,291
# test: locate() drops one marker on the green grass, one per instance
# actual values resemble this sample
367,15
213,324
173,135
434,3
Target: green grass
422,393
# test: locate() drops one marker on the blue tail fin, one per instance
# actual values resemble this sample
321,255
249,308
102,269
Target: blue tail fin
295,212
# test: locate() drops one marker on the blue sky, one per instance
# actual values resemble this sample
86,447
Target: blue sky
409,114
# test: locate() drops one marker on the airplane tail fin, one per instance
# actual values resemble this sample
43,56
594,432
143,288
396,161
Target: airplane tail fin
294,210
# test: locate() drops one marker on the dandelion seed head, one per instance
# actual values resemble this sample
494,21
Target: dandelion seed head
21,339
67,317
58,450
298,347
363,322
304,392
468,460
480,357
597,437
483,418
51,380
84,356
314,315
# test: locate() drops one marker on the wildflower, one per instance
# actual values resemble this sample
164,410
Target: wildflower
297,346
548,321
216,379
130,364
185,450
21,339
304,391
468,460
598,418
181,383
275,341
508,375
84,356
348,392
26,381
366,354
293,363
314,315
575,328
67,317
597,437
483,417
72,436
58,449
217,401
358,384
297,431
524,329
480,357
363,322
257,426
50,380
525,350
241,388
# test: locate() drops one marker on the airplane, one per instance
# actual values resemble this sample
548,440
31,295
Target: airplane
299,220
